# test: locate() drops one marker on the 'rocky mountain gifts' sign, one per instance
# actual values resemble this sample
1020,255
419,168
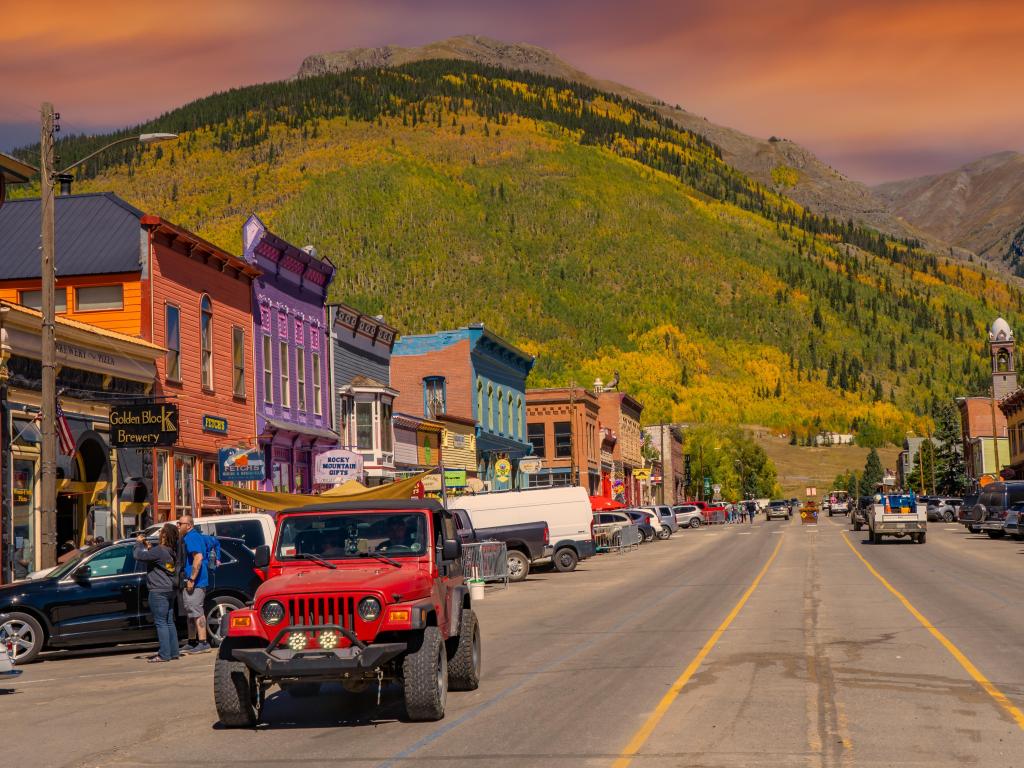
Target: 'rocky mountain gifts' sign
144,425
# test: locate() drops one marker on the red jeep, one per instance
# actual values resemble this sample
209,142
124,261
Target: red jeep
358,593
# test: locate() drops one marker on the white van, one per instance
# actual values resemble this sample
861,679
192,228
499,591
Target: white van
566,511
254,528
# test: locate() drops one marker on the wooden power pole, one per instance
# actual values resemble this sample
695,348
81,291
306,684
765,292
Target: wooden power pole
48,468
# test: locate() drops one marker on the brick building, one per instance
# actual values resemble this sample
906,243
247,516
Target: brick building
621,412
562,425
667,440
984,426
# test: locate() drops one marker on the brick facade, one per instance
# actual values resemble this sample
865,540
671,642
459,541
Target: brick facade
575,410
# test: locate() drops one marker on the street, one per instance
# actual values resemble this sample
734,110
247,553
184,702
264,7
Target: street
765,645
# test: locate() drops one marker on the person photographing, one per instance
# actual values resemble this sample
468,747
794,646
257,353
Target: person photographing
162,581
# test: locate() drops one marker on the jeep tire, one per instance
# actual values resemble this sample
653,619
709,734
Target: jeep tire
518,565
425,678
464,658
234,690
565,560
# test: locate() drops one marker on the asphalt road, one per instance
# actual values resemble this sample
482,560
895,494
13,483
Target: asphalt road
765,645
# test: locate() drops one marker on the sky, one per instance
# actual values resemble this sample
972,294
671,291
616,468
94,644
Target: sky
879,90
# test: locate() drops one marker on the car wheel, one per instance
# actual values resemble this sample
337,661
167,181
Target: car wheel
235,691
664,533
217,611
948,516
425,678
695,522
25,633
921,539
565,560
518,566
464,659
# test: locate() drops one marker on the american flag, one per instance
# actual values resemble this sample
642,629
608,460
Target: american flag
67,440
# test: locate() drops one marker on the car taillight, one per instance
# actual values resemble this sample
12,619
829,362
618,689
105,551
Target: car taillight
547,538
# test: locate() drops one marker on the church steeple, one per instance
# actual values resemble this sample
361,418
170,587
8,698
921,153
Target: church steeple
1001,347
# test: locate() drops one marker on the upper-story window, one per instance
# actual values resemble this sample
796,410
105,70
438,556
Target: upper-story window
317,406
499,412
519,418
563,439
173,342
284,368
386,443
510,423
435,396
238,361
206,340
34,299
480,402
535,434
489,409
97,298
364,426
300,378
268,370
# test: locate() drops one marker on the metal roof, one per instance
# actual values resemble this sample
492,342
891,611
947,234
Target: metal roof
96,234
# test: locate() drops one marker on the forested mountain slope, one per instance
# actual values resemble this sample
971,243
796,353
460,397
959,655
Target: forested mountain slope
588,229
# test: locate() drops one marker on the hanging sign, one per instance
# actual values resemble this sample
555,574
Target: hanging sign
216,424
144,425
531,465
642,474
337,466
239,465
502,470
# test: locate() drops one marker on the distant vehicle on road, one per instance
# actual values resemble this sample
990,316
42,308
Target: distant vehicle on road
778,508
611,524
646,520
859,511
899,515
666,518
101,598
1015,520
837,503
965,515
943,508
989,513
688,516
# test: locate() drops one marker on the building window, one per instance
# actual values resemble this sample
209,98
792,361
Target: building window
34,299
510,427
364,426
435,396
490,409
499,412
268,371
163,478
279,477
385,427
184,485
97,298
206,340
238,361
173,342
346,422
317,407
563,439
535,435
519,418
300,379
284,366
480,401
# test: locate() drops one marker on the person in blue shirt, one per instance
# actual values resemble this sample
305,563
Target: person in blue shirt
193,595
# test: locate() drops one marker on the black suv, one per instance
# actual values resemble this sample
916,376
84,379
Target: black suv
101,598
989,513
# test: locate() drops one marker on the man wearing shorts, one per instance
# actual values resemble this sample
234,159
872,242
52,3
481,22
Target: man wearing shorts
193,595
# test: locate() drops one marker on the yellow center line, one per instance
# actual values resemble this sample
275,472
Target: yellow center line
645,731
999,697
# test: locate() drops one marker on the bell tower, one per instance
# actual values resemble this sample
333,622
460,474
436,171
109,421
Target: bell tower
1004,368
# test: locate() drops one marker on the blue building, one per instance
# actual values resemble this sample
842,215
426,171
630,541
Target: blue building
470,373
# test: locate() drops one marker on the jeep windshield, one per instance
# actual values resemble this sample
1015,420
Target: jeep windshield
335,536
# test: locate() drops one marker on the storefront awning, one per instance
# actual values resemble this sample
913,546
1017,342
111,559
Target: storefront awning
283,426
275,502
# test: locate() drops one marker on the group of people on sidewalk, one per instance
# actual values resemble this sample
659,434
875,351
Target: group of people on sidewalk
744,511
177,569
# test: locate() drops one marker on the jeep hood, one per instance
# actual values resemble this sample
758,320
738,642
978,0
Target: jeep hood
410,581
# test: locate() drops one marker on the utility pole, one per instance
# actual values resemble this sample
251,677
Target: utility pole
664,465
572,434
995,435
48,468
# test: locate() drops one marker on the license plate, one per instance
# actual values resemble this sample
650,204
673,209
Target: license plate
900,526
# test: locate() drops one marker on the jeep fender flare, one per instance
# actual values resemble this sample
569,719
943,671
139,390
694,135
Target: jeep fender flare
459,601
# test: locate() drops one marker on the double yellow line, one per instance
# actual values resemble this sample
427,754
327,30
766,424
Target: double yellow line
641,736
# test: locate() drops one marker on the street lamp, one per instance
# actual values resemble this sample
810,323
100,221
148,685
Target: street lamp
48,468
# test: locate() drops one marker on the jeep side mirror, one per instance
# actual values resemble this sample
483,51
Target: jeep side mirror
451,549
262,556
82,573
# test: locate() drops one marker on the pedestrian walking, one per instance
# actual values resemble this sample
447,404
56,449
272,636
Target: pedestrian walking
751,511
162,582
196,579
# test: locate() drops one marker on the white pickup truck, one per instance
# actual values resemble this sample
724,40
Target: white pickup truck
898,515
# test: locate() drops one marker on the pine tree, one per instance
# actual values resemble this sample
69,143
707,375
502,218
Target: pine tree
950,472
872,475
920,477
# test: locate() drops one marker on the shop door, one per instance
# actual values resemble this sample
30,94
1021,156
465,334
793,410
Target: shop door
67,521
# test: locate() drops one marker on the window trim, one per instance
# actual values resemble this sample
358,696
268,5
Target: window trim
38,307
206,344
168,306
238,354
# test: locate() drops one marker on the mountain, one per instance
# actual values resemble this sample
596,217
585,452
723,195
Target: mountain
979,206
584,226
777,163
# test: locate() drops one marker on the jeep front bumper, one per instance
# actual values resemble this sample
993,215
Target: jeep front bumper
279,661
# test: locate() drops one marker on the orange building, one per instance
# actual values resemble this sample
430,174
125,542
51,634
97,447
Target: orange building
562,424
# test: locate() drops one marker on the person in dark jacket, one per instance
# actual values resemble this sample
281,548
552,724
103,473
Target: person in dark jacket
162,581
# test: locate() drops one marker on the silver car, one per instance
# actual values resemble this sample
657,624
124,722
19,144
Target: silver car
688,516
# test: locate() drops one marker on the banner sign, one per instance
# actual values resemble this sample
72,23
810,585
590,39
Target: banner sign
239,465
337,466
143,425
455,478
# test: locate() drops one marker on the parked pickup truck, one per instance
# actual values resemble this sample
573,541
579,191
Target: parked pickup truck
898,515
859,509
526,543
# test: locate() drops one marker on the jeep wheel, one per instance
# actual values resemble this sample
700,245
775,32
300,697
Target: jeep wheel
518,566
26,635
234,690
464,660
695,522
302,690
565,560
425,678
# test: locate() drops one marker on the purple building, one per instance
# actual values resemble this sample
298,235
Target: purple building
290,343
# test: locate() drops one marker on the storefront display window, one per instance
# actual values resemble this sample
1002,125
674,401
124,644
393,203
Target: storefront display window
24,517
279,477
184,484
163,478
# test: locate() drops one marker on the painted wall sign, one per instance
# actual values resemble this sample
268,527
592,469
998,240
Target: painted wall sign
144,425
338,466
531,465
236,465
216,424
455,478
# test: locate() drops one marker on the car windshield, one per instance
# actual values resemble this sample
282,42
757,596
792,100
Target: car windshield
335,536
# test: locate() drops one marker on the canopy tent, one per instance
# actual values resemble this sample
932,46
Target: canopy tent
275,502
604,504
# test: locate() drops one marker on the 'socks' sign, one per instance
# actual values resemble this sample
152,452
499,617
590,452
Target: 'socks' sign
144,425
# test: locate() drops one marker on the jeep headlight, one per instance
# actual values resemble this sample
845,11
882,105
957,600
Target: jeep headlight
272,612
298,641
369,609
328,639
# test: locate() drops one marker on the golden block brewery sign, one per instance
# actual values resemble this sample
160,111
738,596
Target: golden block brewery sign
144,425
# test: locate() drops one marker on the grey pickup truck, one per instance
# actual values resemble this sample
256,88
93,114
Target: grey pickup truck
525,542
